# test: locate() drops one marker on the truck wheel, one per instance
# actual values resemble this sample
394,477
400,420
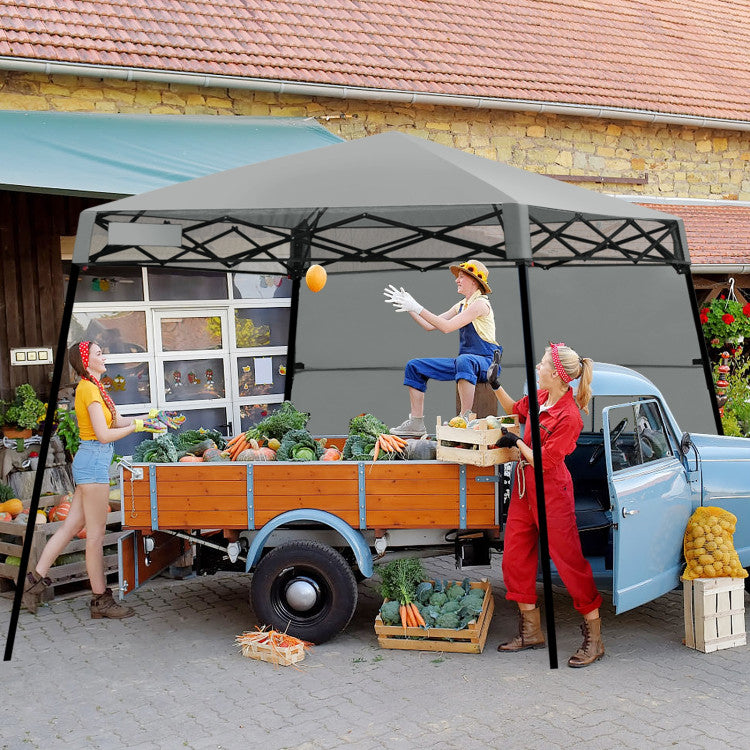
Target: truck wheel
306,589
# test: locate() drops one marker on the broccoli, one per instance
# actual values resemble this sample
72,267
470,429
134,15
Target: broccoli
477,594
452,605
438,599
470,605
389,613
448,620
456,592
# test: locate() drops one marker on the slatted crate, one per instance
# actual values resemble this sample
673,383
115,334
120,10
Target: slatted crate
470,640
12,537
480,453
714,613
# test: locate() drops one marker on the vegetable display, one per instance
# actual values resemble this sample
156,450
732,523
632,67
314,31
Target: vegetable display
299,445
276,425
399,581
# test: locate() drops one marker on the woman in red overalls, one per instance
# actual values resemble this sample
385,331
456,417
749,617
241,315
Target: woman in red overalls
560,425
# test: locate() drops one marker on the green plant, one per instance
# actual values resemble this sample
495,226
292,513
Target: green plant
725,320
26,410
736,418
67,429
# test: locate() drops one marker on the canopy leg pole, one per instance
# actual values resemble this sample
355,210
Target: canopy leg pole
528,346
705,359
60,359
291,347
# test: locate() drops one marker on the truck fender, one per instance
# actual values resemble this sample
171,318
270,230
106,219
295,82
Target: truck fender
352,537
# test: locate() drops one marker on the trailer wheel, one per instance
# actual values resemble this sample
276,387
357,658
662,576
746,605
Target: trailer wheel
306,589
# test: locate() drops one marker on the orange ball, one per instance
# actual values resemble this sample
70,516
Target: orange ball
316,277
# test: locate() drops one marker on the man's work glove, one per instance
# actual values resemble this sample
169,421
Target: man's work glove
169,418
494,370
508,439
150,425
402,300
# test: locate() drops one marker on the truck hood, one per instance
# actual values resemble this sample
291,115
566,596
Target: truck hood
721,447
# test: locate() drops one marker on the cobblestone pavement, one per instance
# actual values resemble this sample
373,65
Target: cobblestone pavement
172,677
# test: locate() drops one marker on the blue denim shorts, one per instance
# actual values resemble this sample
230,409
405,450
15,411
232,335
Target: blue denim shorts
91,462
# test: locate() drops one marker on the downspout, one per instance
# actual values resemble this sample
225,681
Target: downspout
22,65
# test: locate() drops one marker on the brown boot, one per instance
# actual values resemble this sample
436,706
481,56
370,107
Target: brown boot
592,647
104,605
33,587
529,632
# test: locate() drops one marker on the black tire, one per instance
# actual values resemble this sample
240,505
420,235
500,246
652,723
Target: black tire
321,577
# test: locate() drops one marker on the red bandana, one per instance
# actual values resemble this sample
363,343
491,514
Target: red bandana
558,365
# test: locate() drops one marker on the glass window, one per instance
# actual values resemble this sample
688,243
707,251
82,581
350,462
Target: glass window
128,382
652,437
190,333
267,326
251,414
107,284
259,286
175,284
210,419
622,440
116,332
194,379
258,376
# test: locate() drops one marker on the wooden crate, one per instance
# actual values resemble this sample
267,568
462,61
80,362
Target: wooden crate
482,454
11,543
470,640
714,613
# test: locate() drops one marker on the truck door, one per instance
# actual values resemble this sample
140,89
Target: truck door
142,556
651,502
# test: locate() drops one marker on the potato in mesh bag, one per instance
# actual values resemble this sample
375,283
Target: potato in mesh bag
709,545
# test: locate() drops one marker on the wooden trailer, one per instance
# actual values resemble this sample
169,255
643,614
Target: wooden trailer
306,530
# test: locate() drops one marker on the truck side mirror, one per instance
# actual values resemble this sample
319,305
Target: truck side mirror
685,443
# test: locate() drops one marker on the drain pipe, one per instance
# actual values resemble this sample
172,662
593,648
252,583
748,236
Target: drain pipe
22,65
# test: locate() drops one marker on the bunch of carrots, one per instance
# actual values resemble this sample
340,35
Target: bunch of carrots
388,443
410,616
236,445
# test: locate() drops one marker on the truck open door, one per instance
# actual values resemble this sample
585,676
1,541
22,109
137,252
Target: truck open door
651,501
143,556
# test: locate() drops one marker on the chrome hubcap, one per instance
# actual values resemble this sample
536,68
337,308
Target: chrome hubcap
302,594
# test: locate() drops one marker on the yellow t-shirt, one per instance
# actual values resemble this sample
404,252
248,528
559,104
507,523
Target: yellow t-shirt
87,393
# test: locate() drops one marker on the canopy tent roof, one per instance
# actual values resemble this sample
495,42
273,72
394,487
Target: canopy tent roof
386,201
112,155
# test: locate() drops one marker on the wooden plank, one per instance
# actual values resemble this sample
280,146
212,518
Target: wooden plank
403,502
332,504
199,472
202,519
293,487
263,517
412,519
305,471
199,503
166,488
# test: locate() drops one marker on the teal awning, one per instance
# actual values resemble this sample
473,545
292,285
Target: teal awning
115,155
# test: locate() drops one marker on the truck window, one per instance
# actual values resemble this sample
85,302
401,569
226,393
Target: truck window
652,435
637,435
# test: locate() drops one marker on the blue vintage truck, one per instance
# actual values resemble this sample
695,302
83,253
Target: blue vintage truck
307,529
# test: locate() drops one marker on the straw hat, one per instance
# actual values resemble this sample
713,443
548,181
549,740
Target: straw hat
477,270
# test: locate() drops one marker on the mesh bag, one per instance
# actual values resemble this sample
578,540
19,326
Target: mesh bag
709,545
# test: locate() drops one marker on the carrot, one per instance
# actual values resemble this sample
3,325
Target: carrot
388,444
418,616
409,616
402,612
237,448
376,451
233,440
398,440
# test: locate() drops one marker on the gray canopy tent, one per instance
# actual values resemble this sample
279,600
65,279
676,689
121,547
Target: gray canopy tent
390,201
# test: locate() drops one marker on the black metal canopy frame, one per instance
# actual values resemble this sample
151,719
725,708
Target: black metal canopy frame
422,207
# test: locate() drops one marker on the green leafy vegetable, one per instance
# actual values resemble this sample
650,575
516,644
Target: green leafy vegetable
276,425
298,445
438,599
456,592
6,492
358,448
160,450
448,620
367,424
187,440
389,612
400,578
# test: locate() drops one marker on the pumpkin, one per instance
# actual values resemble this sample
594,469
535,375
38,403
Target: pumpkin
331,454
189,458
262,454
212,455
274,444
60,512
420,450
40,517
13,506
315,278
6,518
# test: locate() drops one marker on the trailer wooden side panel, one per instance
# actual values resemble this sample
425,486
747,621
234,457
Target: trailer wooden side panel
403,495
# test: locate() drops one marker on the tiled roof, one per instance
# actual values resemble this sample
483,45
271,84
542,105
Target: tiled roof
675,56
715,234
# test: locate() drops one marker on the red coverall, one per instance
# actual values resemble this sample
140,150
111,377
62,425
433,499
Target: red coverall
559,429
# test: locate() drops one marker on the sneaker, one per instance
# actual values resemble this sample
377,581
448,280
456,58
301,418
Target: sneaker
412,427
104,605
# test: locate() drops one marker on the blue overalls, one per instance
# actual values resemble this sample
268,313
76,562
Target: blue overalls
474,357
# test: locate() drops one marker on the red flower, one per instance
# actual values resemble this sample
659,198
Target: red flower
704,318
746,310
33,454
721,296
728,318
705,310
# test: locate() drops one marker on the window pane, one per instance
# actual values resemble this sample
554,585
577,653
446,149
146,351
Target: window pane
116,333
622,440
254,369
193,379
210,419
257,286
165,284
652,438
190,333
128,382
261,326
251,414
110,284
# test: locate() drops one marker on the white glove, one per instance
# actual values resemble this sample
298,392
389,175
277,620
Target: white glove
402,300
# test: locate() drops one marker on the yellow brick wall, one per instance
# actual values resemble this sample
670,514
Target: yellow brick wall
684,162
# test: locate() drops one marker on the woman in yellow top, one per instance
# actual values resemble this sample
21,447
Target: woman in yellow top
100,425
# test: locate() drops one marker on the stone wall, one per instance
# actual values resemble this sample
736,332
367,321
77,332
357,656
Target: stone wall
685,162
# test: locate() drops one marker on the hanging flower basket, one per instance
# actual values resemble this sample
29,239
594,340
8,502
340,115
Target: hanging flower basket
725,322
